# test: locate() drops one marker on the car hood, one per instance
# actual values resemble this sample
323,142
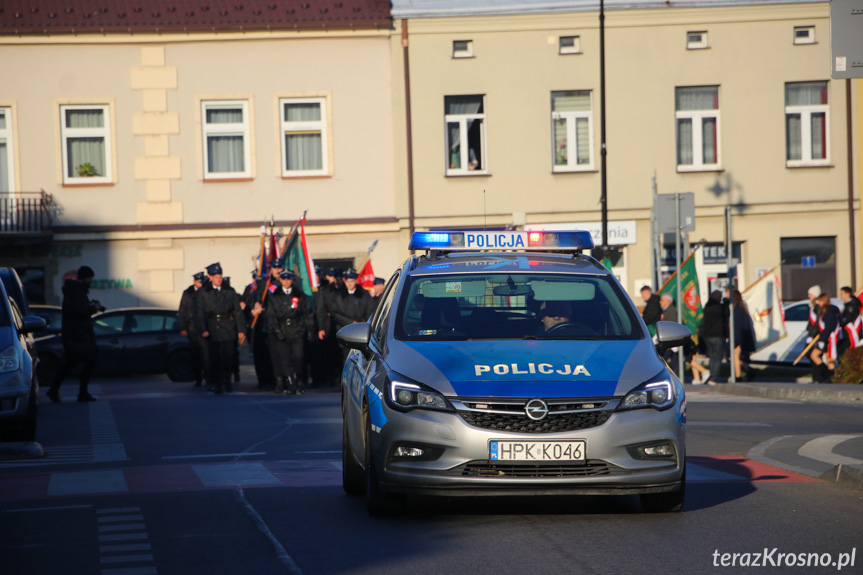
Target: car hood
533,368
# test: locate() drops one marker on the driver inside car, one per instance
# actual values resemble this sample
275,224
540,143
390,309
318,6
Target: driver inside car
554,313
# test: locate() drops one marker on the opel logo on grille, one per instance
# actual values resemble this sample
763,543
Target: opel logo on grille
536,409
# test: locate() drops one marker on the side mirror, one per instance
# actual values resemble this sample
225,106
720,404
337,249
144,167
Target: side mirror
671,334
356,336
33,323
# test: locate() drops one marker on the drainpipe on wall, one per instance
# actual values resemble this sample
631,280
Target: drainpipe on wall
848,109
409,127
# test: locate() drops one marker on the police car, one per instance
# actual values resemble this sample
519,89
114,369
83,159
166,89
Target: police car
510,363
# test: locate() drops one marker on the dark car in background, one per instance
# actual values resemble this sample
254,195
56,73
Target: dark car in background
130,341
15,289
53,316
19,387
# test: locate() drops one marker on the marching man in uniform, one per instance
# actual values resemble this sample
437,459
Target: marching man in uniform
186,317
289,321
221,323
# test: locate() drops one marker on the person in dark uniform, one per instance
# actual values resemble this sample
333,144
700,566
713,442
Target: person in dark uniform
198,349
324,307
221,323
289,320
79,340
826,350
652,309
264,288
377,291
352,304
850,321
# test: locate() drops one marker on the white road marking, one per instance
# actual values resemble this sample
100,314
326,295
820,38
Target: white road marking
281,553
690,423
202,456
59,508
821,449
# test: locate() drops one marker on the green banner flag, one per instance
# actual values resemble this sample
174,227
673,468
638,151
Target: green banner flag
295,261
691,312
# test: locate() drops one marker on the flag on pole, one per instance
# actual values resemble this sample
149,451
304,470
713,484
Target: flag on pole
310,263
272,249
690,312
764,300
263,263
366,276
297,260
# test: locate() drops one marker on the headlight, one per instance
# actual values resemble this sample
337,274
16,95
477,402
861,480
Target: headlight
9,360
405,396
658,393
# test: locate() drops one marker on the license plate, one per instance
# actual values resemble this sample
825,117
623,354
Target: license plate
506,450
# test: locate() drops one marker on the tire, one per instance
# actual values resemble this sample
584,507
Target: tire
46,370
178,366
353,481
670,502
378,503
26,430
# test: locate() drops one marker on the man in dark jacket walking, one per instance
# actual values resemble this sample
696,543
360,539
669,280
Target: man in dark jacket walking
352,304
714,331
221,322
186,318
652,309
289,321
79,340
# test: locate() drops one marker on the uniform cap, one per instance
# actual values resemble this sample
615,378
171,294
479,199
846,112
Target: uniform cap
286,275
379,281
214,269
200,276
278,263
350,273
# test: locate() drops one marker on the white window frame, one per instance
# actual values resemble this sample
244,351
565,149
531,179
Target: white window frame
575,48
242,129
697,118
700,44
320,126
464,150
808,39
571,118
806,112
467,52
103,132
7,134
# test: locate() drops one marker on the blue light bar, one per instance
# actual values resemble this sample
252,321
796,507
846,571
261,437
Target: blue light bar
502,241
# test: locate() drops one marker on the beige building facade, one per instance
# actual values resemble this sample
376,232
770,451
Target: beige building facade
734,104
197,139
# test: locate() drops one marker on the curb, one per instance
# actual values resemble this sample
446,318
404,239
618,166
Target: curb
850,476
21,450
823,393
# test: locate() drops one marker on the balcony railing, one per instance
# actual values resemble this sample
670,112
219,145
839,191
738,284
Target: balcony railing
26,213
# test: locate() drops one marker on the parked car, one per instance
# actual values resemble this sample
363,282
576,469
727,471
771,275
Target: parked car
53,316
15,289
787,349
19,387
130,340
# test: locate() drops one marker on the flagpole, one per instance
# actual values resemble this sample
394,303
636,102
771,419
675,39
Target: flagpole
368,255
773,269
689,257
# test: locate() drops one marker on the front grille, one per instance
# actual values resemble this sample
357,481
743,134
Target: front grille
591,468
521,423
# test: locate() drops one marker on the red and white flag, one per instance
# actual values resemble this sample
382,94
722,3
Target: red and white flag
366,277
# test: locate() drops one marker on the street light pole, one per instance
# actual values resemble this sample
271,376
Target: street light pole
604,197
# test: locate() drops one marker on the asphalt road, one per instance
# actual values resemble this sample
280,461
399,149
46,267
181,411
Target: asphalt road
159,477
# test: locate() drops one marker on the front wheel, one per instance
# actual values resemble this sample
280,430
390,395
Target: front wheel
670,502
179,366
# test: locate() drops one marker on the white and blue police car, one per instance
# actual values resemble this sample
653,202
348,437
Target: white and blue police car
510,363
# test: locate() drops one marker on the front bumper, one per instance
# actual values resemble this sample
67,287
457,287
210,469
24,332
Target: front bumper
462,465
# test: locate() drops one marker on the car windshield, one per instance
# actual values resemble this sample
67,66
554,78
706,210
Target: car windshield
514,306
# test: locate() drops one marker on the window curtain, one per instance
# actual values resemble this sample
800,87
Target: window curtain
303,149
819,133
698,98
572,101
560,144
806,94
708,135
581,140
85,150
793,137
225,152
684,141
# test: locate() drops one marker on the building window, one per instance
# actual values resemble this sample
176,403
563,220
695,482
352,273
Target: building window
804,34
569,45
304,137
696,40
226,139
465,135
806,124
697,117
572,131
7,182
462,49
85,131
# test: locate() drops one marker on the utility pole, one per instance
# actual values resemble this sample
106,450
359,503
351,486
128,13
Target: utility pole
603,152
